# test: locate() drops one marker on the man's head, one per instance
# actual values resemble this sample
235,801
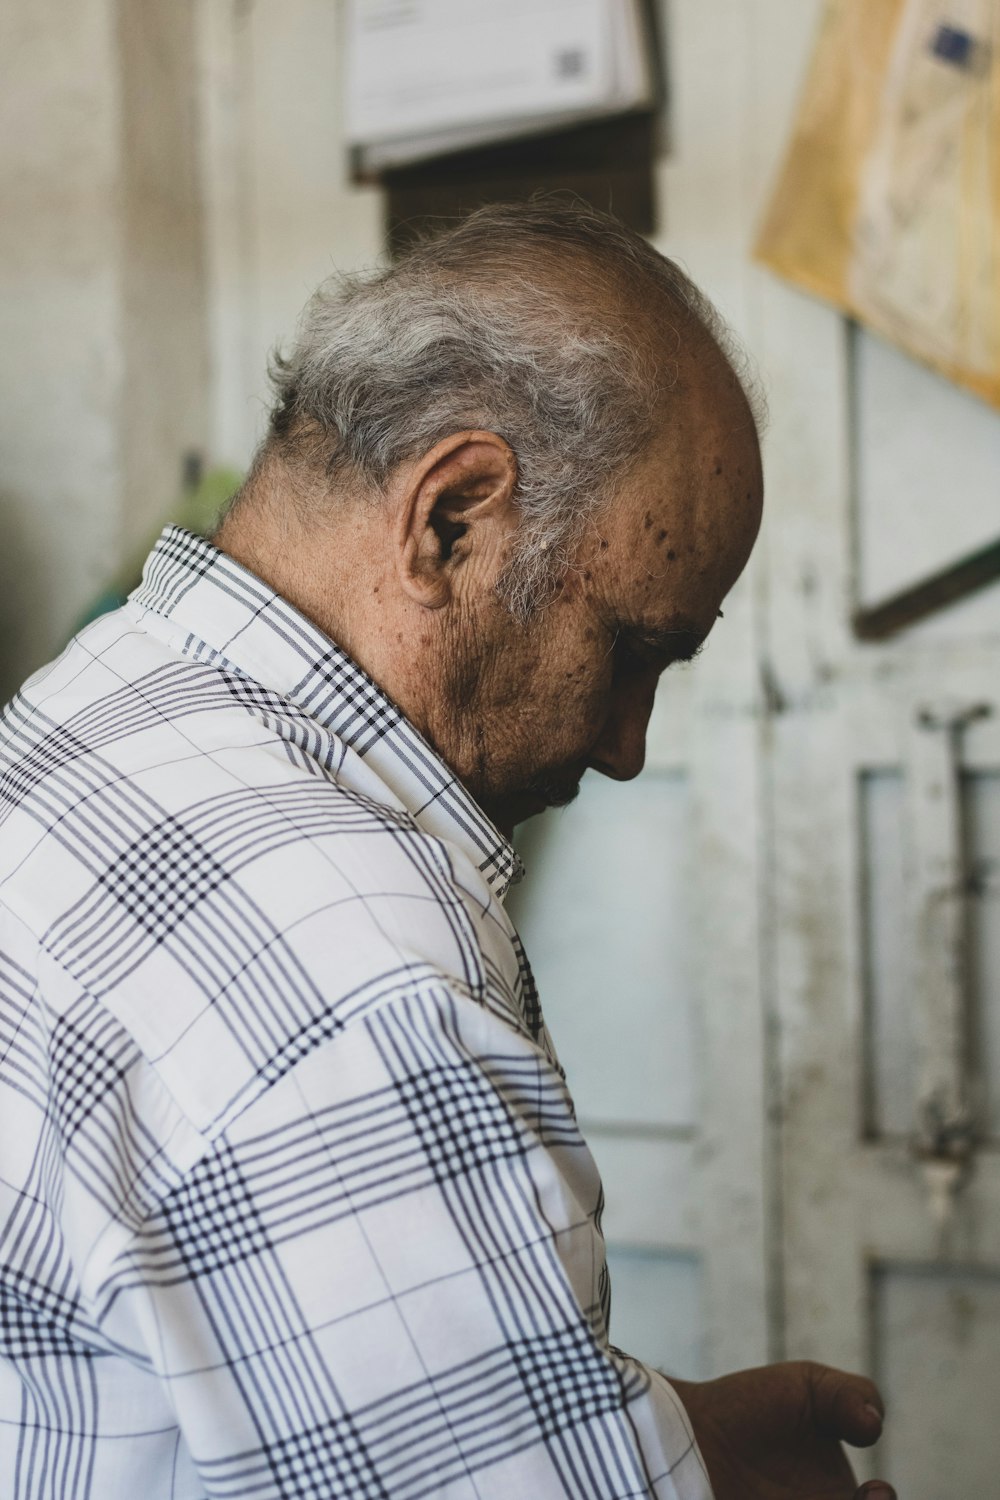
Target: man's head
514,475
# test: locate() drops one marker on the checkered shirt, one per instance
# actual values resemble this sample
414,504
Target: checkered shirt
292,1197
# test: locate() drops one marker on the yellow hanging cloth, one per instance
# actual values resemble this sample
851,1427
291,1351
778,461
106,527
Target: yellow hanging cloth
888,201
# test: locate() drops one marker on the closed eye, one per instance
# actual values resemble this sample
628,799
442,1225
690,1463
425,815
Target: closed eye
663,648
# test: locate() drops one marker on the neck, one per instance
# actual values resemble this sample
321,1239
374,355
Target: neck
337,572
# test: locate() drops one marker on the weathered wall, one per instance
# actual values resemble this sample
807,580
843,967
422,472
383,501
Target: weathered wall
281,212
102,387
60,468
162,287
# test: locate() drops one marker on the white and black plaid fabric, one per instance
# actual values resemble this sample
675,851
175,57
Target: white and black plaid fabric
293,1199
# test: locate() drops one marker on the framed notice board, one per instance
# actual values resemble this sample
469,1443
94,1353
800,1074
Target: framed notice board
606,156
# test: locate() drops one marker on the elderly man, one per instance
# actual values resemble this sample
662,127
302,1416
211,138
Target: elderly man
295,1201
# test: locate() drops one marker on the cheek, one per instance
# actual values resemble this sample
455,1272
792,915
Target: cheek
582,699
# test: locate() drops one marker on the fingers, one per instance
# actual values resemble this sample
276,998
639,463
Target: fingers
848,1407
875,1489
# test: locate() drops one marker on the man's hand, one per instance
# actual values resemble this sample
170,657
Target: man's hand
775,1433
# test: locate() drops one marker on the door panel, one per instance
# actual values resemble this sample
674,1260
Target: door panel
981,806
657,1306
889,1064
937,1332
606,915
607,920
883,908
928,455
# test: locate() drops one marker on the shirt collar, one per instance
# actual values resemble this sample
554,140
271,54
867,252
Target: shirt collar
220,604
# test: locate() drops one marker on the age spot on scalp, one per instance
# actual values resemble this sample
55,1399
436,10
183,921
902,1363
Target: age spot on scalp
661,537
671,555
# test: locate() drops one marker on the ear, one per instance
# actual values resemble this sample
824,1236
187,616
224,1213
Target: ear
454,516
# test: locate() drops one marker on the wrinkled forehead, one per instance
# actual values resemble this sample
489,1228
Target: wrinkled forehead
708,431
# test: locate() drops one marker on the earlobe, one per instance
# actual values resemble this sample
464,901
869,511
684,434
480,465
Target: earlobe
454,515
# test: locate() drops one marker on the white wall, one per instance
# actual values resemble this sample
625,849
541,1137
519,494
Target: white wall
60,329
102,386
282,213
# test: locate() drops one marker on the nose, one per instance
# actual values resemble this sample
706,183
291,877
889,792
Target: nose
620,749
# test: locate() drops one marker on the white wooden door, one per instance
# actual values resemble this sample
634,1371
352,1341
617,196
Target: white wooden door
885,797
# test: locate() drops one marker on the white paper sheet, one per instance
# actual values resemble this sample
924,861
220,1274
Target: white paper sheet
427,76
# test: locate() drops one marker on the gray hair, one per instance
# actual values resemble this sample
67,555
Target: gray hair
511,322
